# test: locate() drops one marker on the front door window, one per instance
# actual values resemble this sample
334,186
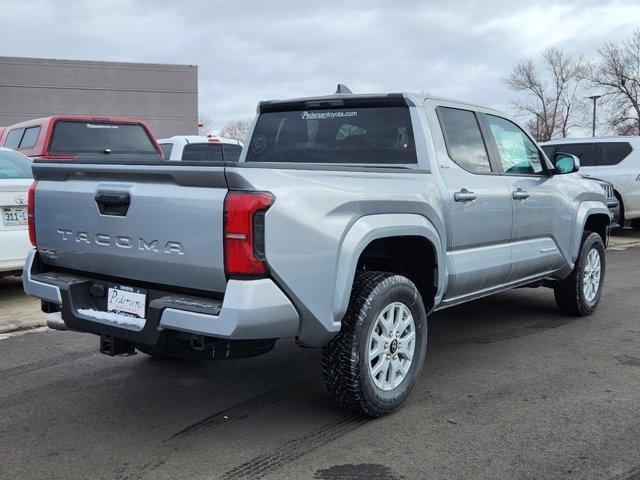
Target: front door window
518,154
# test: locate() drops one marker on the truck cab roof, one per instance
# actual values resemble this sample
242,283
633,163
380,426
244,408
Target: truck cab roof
401,98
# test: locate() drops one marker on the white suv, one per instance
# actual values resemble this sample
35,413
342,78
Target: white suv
614,159
195,148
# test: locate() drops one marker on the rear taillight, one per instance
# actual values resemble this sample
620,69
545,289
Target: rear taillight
244,232
31,208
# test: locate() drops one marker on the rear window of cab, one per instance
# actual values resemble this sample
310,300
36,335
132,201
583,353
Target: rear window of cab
356,135
71,137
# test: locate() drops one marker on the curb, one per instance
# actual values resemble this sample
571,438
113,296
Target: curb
12,327
623,246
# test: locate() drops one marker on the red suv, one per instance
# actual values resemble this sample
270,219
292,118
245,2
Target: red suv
67,136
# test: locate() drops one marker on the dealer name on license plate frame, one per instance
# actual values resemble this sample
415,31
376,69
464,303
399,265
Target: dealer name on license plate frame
127,301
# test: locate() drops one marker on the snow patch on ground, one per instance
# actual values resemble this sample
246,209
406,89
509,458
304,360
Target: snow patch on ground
114,318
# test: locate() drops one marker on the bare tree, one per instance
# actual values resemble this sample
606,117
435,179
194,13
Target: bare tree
236,129
617,73
554,103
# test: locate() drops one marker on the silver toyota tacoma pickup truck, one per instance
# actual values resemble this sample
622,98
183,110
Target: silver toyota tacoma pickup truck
347,221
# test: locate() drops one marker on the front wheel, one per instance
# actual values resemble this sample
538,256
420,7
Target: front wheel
635,223
372,365
579,293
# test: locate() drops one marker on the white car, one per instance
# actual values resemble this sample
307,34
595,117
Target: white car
614,159
15,179
196,148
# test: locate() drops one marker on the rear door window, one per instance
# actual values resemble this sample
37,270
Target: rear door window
611,153
29,138
584,151
14,165
231,152
72,137
357,135
13,138
463,139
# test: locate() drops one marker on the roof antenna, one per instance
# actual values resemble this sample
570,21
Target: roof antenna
343,89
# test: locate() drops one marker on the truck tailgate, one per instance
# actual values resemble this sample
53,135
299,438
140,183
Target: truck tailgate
157,224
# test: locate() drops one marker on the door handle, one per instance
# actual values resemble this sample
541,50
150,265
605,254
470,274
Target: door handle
113,203
464,195
519,194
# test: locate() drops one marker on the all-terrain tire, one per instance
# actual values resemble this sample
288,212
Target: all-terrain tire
569,294
345,359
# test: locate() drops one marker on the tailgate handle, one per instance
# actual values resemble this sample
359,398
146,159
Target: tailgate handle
113,203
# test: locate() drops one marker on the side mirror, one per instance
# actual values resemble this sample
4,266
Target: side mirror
566,163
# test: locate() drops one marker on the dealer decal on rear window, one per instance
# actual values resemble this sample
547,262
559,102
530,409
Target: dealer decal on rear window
101,125
324,115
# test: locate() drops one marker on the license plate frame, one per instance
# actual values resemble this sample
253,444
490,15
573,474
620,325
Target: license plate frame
19,215
126,300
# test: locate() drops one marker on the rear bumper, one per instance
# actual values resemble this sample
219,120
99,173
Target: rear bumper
251,309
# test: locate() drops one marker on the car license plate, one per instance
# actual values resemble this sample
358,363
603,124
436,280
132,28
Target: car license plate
14,216
127,300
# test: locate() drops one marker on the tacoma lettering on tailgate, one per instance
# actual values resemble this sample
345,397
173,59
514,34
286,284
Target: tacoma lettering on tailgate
106,240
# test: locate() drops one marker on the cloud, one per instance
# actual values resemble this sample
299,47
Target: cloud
248,51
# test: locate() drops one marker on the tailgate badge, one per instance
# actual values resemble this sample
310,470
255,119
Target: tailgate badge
21,199
106,240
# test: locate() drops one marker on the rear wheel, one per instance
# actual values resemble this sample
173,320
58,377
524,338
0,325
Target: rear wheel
635,223
372,365
579,293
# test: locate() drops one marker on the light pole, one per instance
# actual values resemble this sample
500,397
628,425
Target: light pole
593,128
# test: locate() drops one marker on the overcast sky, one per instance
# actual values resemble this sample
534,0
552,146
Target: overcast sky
247,51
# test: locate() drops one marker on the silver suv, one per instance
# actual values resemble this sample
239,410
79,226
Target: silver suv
346,222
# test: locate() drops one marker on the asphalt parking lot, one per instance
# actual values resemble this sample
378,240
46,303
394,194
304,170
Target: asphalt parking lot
511,389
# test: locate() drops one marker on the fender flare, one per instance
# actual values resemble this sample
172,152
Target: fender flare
585,210
372,227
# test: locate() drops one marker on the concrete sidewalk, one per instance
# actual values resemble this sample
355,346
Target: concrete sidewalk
18,311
